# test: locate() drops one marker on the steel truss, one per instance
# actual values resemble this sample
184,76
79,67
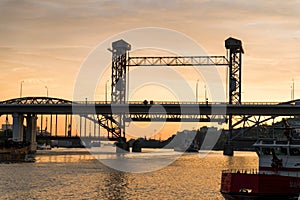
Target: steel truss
121,60
106,122
245,123
174,118
115,124
235,69
235,49
36,100
177,61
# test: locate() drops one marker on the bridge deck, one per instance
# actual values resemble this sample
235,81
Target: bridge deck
167,108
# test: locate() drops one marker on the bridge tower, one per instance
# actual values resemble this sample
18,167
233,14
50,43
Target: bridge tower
234,46
235,51
120,50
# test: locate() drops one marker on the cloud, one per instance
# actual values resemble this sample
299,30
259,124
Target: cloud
53,37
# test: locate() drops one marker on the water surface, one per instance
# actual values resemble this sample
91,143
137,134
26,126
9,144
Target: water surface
75,174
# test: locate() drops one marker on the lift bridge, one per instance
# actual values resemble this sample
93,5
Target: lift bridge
113,116
121,61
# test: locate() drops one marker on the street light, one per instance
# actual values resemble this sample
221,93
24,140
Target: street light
197,91
293,90
47,90
21,88
205,94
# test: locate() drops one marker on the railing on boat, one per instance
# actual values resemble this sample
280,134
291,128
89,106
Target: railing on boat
277,142
240,171
256,171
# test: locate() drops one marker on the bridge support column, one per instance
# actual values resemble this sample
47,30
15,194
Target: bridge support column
17,127
235,83
122,146
228,149
31,121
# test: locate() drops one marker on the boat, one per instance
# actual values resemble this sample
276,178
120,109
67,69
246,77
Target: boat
277,178
188,146
43,147
186,149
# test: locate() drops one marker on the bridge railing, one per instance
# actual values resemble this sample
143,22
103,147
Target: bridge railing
51,100
260,103
177,102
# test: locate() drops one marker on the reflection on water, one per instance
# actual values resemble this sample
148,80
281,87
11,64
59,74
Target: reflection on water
75,174
115,186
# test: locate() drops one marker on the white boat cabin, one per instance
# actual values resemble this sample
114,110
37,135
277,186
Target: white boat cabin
278,156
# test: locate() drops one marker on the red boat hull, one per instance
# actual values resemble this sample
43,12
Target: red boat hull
238,196
259,186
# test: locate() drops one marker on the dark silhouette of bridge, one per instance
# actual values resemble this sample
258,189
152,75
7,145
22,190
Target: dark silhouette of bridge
113,115
138,111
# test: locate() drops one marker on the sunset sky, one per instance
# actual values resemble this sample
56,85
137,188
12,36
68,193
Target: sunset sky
44,43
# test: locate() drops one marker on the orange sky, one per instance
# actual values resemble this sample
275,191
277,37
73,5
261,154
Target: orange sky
44,43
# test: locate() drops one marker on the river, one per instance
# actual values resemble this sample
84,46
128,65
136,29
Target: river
76,174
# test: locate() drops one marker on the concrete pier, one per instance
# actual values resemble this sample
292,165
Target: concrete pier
228,149
17,127
122,146
31,121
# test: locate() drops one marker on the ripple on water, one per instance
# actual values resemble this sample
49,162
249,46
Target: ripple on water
72,176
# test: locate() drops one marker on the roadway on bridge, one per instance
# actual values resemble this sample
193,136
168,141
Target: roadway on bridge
174,109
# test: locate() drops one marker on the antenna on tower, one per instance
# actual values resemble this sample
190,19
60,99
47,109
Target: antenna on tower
293,90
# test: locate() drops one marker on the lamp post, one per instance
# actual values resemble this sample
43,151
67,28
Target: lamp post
205,94
154,134
197,90
47,89
21,88
106,91
293,90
